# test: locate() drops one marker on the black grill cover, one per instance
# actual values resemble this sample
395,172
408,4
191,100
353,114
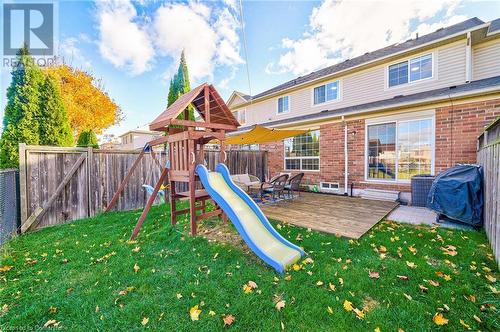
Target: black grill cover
458,194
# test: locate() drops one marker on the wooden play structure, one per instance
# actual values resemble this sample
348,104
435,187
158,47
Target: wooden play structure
185,140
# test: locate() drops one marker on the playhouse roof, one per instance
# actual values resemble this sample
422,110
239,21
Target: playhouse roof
219,112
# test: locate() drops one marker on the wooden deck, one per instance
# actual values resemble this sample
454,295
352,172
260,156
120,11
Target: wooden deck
346,216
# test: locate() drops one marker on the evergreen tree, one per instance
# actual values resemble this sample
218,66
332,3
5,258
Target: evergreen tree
87,138
22,113
179,85
54,125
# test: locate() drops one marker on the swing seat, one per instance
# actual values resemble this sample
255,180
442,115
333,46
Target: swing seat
150,189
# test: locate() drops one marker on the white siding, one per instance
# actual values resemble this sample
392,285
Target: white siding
369,85
486,60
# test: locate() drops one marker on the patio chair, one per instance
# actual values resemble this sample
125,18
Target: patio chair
276,187
246,181
293,184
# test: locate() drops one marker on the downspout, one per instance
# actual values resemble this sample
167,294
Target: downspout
468,59
346,164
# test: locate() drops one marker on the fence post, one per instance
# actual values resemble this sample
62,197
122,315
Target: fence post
90,160
22,182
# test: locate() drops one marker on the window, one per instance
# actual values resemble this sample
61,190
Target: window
399,150
250,147
302,152
283,105
421,68
398,74
327,92
410,71
241,116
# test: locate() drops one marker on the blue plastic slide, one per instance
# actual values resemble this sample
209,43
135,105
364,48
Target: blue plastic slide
248,219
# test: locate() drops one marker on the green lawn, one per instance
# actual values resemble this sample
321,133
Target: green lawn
81,276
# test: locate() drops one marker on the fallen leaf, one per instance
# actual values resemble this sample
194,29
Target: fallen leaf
136,249
412,249
51,322
377,329
382,249
319,283
446,277
308,260
52,310
405,278
296,267
5,268
439,319
408,296
211,313
228,320
494,290
331,286
145,321
486,269
434,283
179,296
252,284
373,274
411,265
280,304
423,289
194,313
467,326
247,289
348,305
490,278
449,250
477,319
136,268
359,313
330,310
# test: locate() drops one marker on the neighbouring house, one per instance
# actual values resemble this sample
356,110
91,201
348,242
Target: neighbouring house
415,107
137,138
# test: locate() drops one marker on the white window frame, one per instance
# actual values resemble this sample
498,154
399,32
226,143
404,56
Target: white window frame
423,115
237,115
295,158
410,82
339,94
277,105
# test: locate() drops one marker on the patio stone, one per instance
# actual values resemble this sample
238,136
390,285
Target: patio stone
421,216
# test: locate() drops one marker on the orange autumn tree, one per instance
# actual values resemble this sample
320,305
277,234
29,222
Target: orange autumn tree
88,105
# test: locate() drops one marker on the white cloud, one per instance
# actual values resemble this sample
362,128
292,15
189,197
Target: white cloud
208,37
339,30
122,40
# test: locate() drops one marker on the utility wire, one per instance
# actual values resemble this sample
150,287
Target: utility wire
242,22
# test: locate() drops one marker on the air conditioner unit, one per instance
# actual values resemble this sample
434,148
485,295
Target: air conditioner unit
329,187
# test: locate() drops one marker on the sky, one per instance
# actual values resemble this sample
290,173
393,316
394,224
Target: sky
134,46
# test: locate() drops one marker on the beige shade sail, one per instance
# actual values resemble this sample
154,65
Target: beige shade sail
260,134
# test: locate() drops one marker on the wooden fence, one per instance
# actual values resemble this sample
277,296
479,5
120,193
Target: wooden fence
58,185
489,157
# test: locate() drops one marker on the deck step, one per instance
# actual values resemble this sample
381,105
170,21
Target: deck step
379,194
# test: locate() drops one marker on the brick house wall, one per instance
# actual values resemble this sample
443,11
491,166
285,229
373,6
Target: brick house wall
457,128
